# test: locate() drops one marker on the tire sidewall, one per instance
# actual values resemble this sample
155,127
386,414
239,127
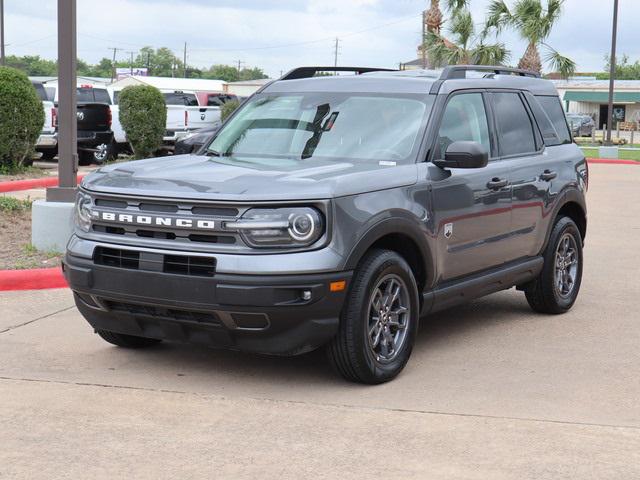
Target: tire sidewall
564,225
386,263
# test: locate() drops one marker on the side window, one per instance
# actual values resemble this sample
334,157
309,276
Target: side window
515,130
549,135
553,109
464,119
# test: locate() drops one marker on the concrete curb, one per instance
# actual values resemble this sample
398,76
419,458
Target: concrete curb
612,161
34,279
17,185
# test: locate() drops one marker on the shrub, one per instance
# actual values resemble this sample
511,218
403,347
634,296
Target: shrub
228,108
143,115
21,117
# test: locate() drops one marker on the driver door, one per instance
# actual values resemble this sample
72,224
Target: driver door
472,207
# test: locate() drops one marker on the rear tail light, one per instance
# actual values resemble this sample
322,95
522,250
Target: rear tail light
54,117
109,117
186,118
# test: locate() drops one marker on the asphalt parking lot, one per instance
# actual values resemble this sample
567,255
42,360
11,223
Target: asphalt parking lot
492,390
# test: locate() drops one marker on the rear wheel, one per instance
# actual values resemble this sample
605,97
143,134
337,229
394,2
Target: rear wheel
556,288
126,341
104,153
379,320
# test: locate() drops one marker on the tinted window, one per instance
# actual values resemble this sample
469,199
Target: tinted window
42,93
85,94
185,99
515,131
553,109
549,134
464,119
219,100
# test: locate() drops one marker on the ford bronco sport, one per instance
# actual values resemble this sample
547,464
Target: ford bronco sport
337,211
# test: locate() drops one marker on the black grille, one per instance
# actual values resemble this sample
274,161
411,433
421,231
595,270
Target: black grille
163,312
114,257
189,265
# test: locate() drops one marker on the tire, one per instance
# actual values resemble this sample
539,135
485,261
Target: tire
126,341
353,353
48,155
549,292
106,152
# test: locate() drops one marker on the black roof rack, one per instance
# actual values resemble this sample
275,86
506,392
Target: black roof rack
459,71
308,72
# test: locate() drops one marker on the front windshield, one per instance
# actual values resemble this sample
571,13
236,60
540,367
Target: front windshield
277,129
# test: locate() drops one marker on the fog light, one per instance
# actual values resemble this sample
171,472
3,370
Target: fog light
306,295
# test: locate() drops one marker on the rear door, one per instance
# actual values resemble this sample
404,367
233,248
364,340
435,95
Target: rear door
521,147
472,207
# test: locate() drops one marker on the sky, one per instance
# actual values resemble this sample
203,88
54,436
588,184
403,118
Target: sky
277,35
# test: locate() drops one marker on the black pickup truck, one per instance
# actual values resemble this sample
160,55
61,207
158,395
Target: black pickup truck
94,123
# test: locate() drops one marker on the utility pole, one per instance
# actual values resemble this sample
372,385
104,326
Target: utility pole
612,72
2,60
67,105
335,52
113,62
184,60
131,63
149,63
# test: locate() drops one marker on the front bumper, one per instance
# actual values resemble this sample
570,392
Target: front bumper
258,313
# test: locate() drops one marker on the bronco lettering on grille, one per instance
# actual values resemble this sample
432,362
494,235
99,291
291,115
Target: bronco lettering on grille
156,220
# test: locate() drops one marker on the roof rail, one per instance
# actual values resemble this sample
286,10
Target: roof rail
308,72
459,71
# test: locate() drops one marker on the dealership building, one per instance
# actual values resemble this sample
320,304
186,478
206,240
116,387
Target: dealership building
591,97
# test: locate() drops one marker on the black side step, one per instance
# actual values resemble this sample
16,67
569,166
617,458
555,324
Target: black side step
478,285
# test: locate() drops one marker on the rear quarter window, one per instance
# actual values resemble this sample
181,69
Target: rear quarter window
40,90
553,108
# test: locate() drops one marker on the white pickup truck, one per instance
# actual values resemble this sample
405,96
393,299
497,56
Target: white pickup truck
184,114
47,143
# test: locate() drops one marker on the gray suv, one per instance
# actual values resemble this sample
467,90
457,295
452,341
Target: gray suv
336,211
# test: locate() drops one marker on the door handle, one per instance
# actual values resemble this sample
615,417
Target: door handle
548,175
496,183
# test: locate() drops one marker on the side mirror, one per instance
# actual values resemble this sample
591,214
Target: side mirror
464,155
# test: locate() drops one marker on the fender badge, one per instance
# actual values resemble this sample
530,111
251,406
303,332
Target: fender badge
448,230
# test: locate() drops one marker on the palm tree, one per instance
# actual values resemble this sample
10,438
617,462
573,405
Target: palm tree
534,23
465,47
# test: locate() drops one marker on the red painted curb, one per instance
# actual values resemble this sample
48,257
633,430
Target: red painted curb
612,161
35,279
16,185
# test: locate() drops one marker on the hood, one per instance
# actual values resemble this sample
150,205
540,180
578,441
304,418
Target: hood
210,178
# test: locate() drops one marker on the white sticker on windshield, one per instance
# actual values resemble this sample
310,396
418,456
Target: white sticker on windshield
387,163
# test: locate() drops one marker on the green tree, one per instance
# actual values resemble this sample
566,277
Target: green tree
143,115
33,65
624,70
534,23
464,46
21,117
161,62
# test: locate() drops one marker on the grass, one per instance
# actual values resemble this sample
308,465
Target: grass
622,154
18,169
14,205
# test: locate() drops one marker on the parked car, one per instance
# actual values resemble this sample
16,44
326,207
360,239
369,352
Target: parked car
194,141
94,131
185,114
47,143
336,211
581,125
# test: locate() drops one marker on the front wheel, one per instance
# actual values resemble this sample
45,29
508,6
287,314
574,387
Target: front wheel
556,288
379,321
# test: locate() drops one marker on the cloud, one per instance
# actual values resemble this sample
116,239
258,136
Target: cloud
372,32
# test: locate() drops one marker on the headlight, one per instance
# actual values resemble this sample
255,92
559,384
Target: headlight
83,211
280,227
